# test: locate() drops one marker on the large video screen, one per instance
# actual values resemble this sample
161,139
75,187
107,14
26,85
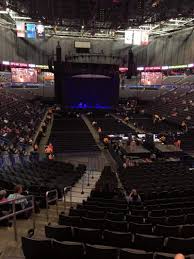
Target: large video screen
151,78
24,75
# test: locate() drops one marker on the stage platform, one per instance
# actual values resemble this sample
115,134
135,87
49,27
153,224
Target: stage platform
168,150
138,151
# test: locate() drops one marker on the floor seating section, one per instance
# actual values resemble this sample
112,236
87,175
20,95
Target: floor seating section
111,126
71,135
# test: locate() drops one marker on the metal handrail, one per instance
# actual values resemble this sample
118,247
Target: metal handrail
66,189
15,213
52,200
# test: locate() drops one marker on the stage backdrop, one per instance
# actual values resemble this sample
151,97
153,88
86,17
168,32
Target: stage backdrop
87,90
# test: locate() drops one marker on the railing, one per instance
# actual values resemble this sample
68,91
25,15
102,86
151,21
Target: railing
14,213
86,183
66,190
53,199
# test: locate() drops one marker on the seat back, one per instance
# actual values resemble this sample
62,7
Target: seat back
149,243
187,231
135,254
140,228
117,239
93,223
99,252
69,250
180,245
58,233
37,249
120,226
87,235
167,231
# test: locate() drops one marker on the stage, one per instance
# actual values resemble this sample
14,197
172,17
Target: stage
168,150
138,151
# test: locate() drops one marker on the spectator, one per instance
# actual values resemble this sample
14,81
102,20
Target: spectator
177,144
99,130
94,123
106,141
2,196
184,126
134,197
179,256
18,194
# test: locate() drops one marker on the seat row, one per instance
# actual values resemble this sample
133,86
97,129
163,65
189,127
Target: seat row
156,216
169,209
96,236
122,226
49,249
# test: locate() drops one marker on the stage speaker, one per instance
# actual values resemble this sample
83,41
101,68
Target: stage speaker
132,69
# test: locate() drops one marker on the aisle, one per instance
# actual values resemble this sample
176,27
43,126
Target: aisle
83,187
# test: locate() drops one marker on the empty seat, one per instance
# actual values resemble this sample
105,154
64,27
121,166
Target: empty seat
117,239
157,213
87,235
187,231
59,233
157,220
140,228
78,212
135,254
120,226
176,220
174,212
188,210
69,250
99,252
148,242
163,256
190,219
93,223
69,220
96,214
180,245
166,231
135,219
37,249
141,213
115,216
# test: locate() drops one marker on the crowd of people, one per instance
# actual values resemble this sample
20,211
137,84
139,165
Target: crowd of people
19,120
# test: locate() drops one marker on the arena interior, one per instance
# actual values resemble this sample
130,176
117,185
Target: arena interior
96,129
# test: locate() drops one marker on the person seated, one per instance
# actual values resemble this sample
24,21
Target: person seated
184,126
106,141
177,144
134,197
49,149
3,196
99,130
18,190
94,123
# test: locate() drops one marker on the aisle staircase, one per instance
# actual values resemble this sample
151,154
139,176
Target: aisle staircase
83,187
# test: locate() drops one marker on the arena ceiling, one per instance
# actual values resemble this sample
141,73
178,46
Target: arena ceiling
100,18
